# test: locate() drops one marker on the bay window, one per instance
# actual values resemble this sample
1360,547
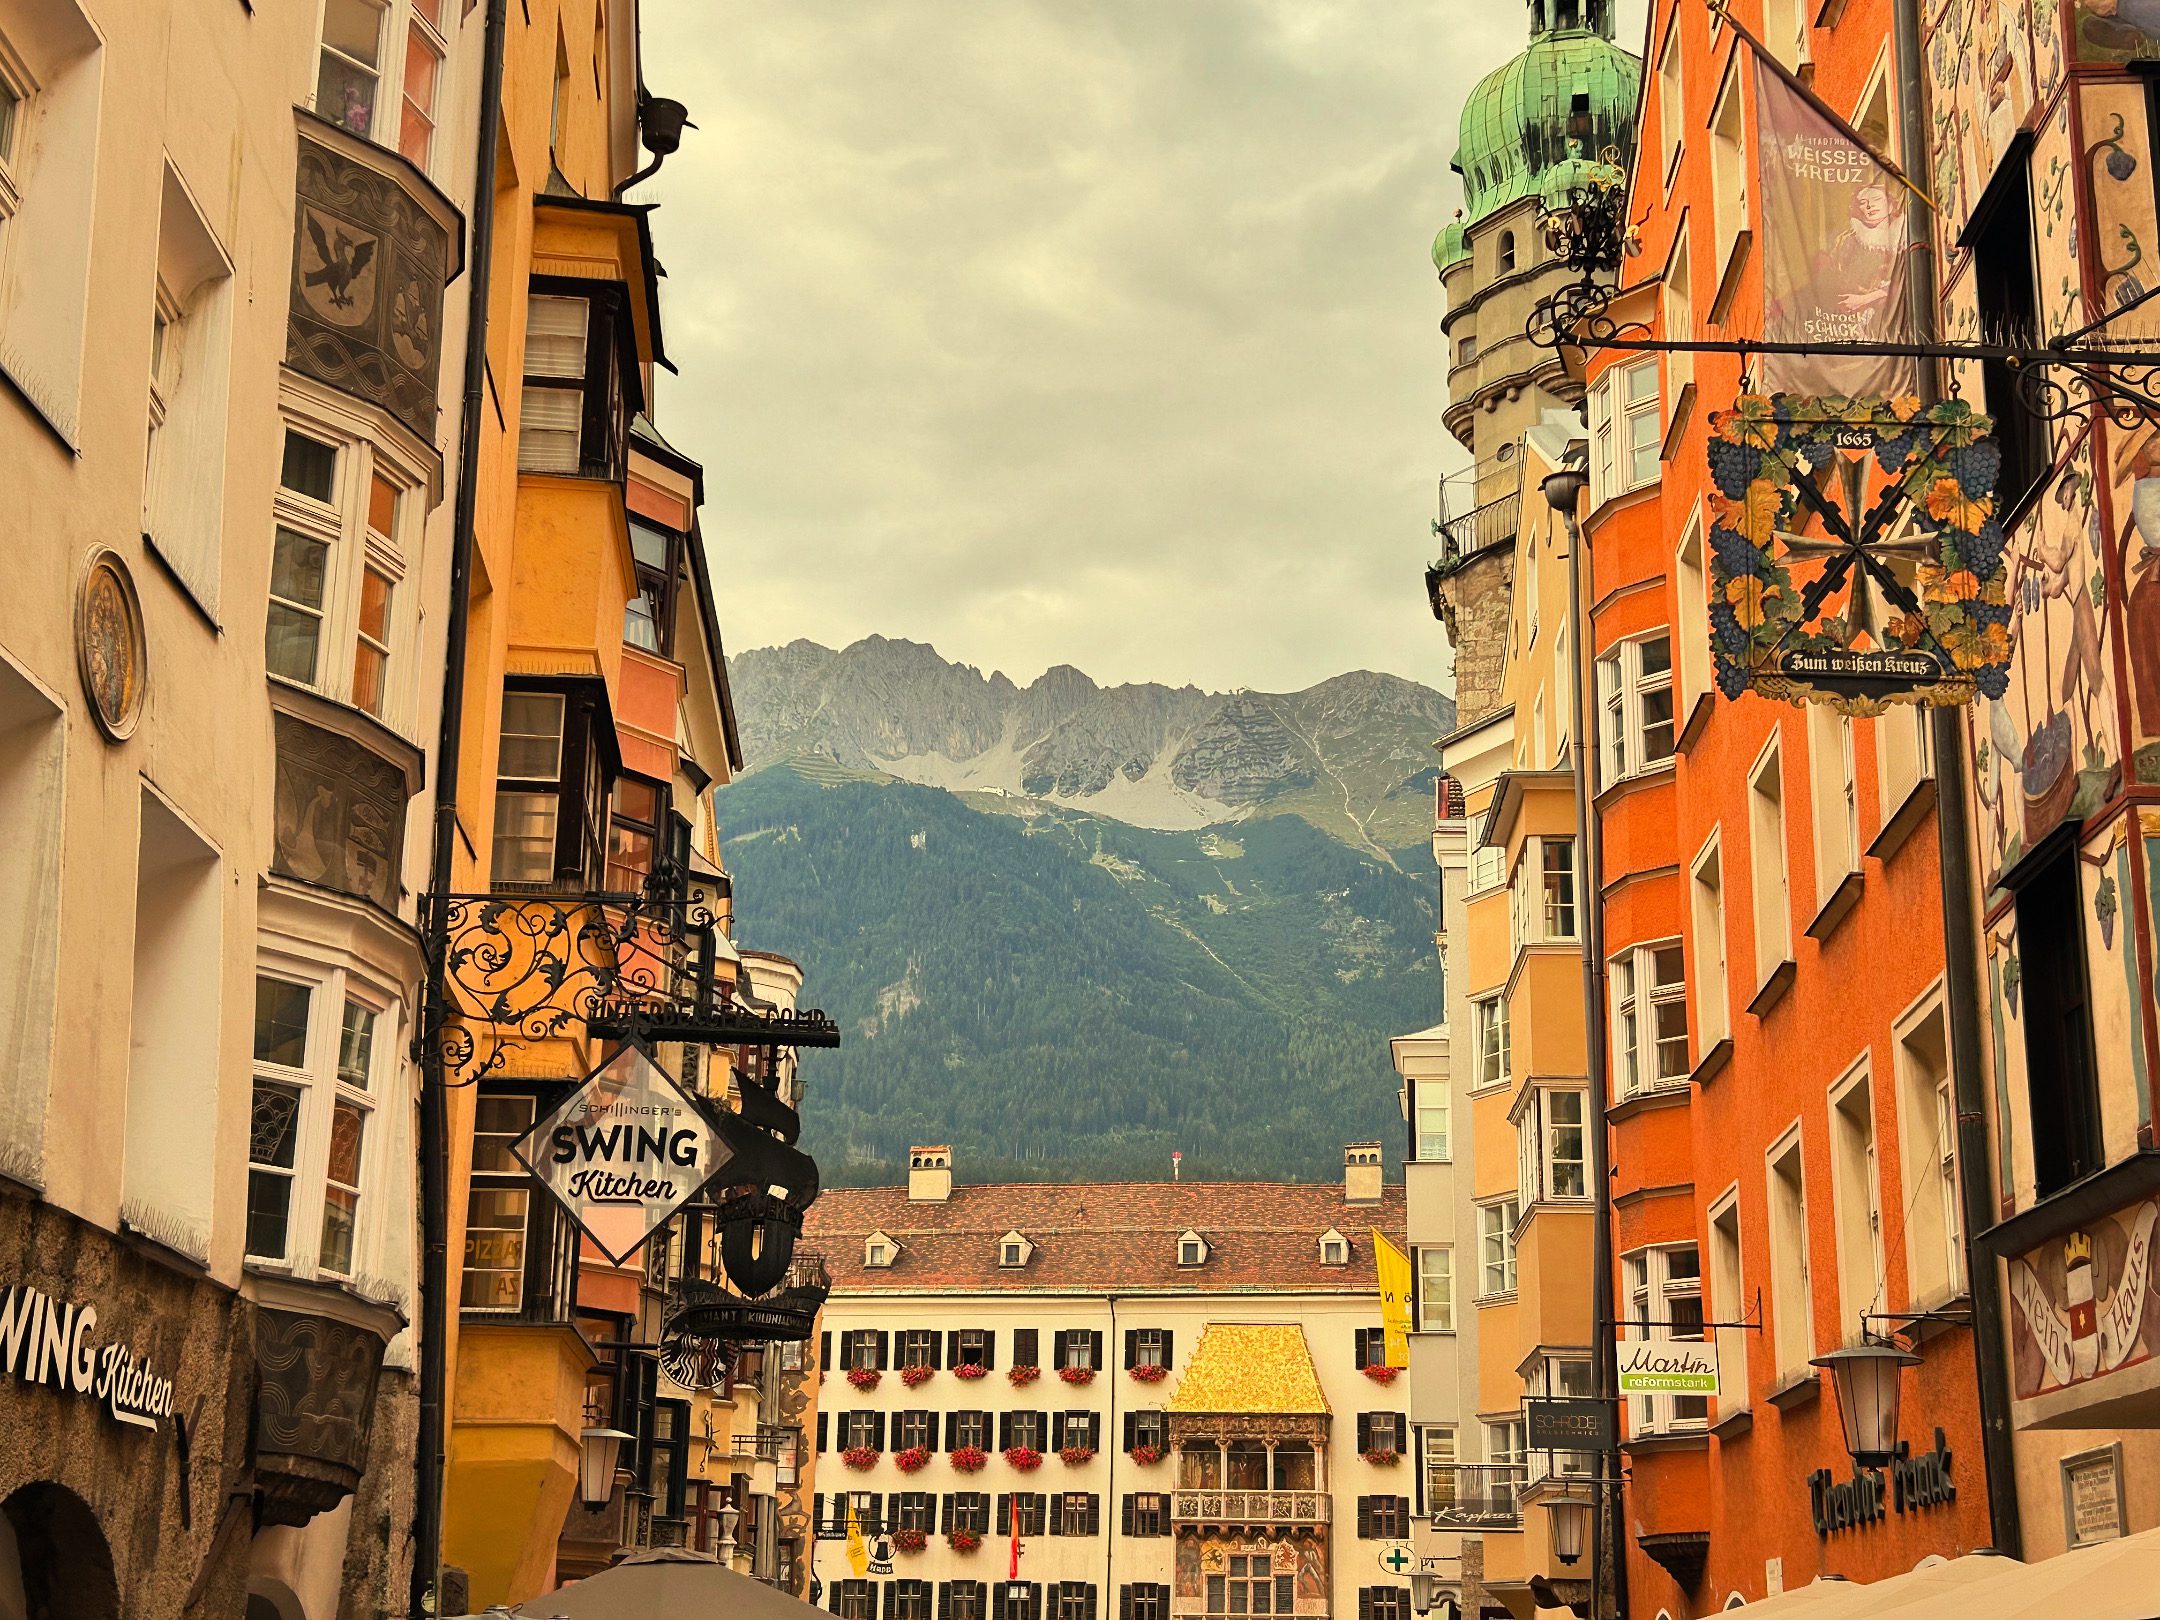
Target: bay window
1649,1017
321,1048
1436,1465
1635,708
550,769
636,810
1490,1015
336,619
1564,1377
1435,1288
1664,1301
648,620
1551,1146
1625,431
579,379
498,1209
1432,1109
1496,1248
379,72
1541,893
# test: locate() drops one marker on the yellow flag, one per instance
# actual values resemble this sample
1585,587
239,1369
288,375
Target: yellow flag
858,1556
1393,1267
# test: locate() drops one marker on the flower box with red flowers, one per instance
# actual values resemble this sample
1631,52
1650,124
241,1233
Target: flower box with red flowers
1382,1459
1074,1456
1024,1375
860,1457
1383,1375
962,1541
1077,1375
969,1459
970,1370
913,1377
1025,1458
1149,1372
1145,1454
912,1460
864,1377
909,1540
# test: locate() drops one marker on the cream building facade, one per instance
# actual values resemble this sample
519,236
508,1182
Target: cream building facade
1199,1409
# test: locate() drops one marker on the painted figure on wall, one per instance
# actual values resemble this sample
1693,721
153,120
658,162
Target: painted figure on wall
2084,1303
2117,30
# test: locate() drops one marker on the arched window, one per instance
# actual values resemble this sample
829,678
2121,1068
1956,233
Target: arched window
1507,250
50,1544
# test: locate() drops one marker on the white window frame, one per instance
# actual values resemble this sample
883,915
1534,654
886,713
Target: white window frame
1928,1152
1729,1301
1493,1057
1709,971
1626,421
1436,1287
1833,798
1432,1116
321,1088
1497,1221
396,23
1540,1130
1437,1461
1569,1376
1638,717
1729,158
1856,1198
1792,1304
1676,305
1488,869
1637,999
1904,756
1769,882
1691,623
1672,99
356,548
1654,1282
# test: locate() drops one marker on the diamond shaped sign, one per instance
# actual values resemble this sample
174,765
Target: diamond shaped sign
624,1151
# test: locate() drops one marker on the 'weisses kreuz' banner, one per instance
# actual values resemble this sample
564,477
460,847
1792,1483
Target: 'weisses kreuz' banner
1834,243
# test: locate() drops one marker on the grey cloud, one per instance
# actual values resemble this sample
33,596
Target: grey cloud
1087,331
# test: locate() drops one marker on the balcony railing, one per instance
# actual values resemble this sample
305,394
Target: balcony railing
1477,1496
1250,1507
1489,525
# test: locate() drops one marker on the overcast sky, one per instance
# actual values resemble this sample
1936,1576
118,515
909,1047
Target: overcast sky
1099,332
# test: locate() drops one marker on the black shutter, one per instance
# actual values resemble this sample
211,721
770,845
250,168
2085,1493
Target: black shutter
824,1431
1364,1432
1094,1360
1094,1431
1132,1419
945,1524
1025,1348
1091,1601
884,1350
877,1429
1132,1351
1035,1600
1094,1516
1004,1431
1005,1523
989,1359
877,1512
944,1599
892,1594
937,1348
817,1513
1124,1594
1167,1360
1364,1603
952,1348
824,1352
1402,1515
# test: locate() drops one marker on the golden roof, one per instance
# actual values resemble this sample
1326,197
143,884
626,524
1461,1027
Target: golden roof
1250,1367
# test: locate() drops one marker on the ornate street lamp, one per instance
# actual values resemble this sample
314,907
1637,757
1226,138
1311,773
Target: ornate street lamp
1570,1525
599,1450
1866,1379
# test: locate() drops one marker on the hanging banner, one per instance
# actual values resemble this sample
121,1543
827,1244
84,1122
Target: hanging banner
1834,246
1668,1367
1856,557
624,1151
1393,1267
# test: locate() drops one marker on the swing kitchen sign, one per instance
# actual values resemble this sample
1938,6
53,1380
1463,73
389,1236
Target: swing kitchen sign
624,1152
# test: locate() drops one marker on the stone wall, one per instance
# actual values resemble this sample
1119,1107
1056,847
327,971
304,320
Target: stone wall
1475,602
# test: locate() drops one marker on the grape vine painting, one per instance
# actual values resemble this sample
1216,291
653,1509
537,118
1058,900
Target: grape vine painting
1895,592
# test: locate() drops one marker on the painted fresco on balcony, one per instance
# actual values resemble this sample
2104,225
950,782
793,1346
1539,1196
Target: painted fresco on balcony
2060,281
2115,30
2082,1305
1981,60
340,813
2047,748
370,258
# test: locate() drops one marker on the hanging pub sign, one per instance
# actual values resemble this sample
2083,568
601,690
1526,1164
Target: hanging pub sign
624,1151
1668,1367
1856,552
1567,1423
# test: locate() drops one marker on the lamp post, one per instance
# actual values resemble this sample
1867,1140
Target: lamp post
599,1449
1570,1520
1866,1379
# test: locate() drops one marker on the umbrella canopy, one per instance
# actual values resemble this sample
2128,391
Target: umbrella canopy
1902,1596
2115,1580
668,1584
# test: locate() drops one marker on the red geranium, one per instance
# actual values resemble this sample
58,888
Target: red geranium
1149,1372
970,1370
1382,1459
860,1457
908,1540
1024,1375
1144,1454
1383,1375
913,1376
1074,1456
962,1541
910,1460
968,1459
1025,1458
1077,1375
864,1377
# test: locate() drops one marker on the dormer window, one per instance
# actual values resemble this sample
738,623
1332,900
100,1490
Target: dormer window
1334,1248
1192,1249
879,1251
1014,1250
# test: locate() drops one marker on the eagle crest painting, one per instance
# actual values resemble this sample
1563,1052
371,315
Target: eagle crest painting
337,270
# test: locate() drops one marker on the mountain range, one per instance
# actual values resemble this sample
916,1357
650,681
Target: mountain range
1069,928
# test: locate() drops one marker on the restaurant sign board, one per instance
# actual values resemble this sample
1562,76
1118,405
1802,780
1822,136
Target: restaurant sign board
624,1151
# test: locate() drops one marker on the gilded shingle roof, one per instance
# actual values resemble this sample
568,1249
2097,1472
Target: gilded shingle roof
1263,1237
1250,1367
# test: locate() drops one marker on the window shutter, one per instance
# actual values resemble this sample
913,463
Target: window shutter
1094,1516
1364,1603
1005,1512
1034,1599
877,1511
1094,1360
1132,1354
1125,1519
945,1520
1402,1515
1168,1338
824,1431
892,1594
1025,1353
824,1352
1124,1596
937,1347
1005,1431
817,1513
1364,1518
952,1347
877,1428
990,1349
1091,1601
1364,1432
884,1350
1057,1431
1094,1431
944,1599
1417,1269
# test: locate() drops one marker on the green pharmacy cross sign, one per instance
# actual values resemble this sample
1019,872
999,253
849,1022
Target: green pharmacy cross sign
1857,552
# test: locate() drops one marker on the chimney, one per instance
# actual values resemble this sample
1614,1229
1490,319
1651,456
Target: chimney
1361,1173
929,1174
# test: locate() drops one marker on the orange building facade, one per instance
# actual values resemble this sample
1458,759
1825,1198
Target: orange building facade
1781,1127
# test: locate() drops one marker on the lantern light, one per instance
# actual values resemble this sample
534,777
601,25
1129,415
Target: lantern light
1865,1377
1570,1522
598,1452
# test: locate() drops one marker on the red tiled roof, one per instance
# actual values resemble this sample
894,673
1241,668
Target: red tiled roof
1112,1236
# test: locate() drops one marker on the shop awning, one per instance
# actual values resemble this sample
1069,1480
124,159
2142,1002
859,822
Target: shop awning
2116,1580
1906,1596
662,1584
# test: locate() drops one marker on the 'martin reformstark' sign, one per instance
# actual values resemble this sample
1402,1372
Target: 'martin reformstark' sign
1667,1367
623,1152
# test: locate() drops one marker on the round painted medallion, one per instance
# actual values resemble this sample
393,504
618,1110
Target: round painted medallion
110,651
